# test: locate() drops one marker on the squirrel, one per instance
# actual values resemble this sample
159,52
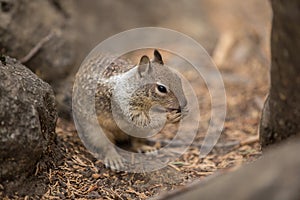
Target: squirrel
131,100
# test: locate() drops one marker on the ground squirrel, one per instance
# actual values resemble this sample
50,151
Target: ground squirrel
130,101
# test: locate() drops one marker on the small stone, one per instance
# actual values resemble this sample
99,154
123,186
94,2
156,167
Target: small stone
96,176
282,96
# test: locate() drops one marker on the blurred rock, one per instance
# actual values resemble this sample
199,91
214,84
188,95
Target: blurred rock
38,33
27,124
275,176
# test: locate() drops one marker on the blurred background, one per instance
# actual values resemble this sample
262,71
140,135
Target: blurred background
229,30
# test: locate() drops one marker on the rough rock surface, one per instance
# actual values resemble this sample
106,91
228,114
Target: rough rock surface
27,123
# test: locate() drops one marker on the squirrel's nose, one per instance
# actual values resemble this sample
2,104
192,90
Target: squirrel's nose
183,104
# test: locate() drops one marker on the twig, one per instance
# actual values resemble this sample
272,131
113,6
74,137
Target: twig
250,140
173,166
37,47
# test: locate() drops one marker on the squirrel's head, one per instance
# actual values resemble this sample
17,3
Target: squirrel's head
160,86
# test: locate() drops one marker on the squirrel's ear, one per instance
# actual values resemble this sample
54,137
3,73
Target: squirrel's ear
157,57
144,66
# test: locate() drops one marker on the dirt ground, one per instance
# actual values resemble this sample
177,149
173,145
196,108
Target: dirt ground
246,78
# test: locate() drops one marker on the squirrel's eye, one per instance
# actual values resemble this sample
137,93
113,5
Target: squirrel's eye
162,88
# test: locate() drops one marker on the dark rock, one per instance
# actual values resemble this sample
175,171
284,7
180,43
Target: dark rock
27,124
281,113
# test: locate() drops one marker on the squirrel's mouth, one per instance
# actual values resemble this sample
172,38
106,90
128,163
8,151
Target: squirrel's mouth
177,110
161,109
176,114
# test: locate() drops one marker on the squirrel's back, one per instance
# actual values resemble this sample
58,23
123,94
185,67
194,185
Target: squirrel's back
91,81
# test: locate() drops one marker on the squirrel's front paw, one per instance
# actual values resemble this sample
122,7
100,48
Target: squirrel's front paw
113,160
174,117
147,149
